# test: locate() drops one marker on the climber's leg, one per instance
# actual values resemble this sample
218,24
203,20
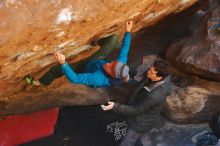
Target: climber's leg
53,73
108,45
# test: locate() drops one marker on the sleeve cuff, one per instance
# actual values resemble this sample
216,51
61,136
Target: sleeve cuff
115,107
128,33
64,65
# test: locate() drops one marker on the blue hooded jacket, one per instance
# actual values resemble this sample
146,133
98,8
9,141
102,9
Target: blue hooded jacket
94,74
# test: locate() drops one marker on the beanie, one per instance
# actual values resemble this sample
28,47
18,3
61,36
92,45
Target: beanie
116,69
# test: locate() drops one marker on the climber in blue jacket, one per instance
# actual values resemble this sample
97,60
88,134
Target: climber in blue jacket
109,72
99,72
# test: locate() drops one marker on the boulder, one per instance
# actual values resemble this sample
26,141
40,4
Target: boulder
196,102
31,30
199,55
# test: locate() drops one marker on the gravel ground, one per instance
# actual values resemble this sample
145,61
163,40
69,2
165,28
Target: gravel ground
87,126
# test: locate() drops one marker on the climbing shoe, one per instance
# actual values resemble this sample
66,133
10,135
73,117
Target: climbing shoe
29,80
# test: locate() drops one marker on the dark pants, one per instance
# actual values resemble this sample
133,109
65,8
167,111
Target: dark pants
131,138
107,44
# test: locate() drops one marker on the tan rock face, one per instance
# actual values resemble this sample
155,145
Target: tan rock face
43,98
30,30
195,103
197,56
200,54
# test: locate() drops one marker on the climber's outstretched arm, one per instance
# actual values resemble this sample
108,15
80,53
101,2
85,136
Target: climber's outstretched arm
123,54
90,79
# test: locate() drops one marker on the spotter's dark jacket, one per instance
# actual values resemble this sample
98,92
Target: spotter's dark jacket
143,109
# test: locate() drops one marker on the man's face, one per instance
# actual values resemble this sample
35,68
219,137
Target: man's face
152,74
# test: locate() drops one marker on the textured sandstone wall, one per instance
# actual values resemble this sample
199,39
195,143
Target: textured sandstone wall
196,102
197,98
200,53
31,29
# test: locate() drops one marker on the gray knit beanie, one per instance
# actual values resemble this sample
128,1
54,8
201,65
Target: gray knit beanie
121,70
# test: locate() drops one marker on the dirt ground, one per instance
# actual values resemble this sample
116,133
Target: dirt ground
87,126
